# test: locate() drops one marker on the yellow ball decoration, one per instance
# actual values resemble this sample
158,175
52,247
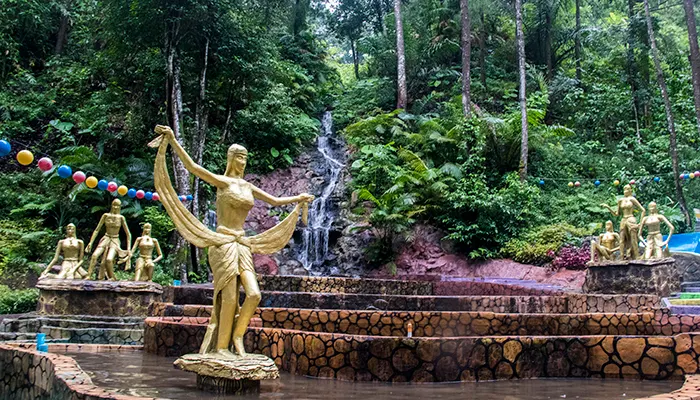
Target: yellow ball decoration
25,157
91,182
616,183
571,184
122,190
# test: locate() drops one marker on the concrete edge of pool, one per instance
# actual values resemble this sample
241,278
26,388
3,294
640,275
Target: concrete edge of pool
27,373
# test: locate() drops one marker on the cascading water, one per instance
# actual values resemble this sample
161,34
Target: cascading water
314,248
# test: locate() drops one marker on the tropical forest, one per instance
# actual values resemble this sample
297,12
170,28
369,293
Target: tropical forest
465,130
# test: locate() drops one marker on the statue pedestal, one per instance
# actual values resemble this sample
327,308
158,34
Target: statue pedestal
659,277
106,298
237,375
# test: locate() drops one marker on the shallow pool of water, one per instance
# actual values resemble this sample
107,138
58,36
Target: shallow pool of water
142,374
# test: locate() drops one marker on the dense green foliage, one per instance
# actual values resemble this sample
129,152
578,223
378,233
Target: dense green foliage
608,125
17,301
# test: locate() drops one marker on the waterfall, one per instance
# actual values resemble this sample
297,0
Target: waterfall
314,248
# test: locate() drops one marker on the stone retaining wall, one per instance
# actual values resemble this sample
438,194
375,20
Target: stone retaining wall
26,374
395,359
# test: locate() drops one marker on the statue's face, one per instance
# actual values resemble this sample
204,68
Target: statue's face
609,226
116,209
146,231
239,161
652,208
628,191
70,230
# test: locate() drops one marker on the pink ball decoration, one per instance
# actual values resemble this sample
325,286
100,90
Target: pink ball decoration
632,182
45,164
112,186
140,194
79,177
156,196
697,174
577,184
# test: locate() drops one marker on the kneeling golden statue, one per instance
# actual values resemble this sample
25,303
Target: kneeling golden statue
606,246
73,250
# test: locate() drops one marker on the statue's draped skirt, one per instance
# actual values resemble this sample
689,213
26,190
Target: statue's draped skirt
229,251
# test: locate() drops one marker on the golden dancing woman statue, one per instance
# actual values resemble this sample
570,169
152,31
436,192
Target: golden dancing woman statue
73,250
626,206
230,251
145,263
655,243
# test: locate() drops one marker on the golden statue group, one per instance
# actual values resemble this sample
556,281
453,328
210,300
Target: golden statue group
612,246
108,250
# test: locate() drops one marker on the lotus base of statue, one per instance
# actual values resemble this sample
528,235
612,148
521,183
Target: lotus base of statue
229,375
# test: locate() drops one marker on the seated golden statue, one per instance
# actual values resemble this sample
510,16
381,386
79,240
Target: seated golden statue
145,263
626,206
109,247
73,250
655,246
606,246
230,251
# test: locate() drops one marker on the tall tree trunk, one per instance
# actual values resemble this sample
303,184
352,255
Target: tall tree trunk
201,123
549,57
669,114
466,42
632,73
355,58
379,7
402,95
520,38
577,42
694,55
62,35
482,50
182,183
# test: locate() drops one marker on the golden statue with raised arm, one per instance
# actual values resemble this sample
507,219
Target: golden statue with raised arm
145,263
230,251
73,250
109,247
626,206
606,246
655,243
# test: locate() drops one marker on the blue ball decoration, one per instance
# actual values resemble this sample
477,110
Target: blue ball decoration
148,195
5,148
102,184
657,179
189,197
131,193
65,171
597,183
541,182
686,176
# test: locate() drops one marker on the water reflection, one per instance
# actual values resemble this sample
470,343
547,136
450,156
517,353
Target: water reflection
142,374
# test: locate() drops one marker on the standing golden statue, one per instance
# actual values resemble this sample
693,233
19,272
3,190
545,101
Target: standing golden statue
109,247
608,243
145,263
626,206
655,243
73,250
230,251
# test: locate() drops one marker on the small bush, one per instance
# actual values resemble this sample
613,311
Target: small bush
540,245
17,301
572,257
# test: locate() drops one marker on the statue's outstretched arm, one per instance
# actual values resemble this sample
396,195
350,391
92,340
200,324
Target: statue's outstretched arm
613,212
194,168
136,246
279,201
95,233
671,229
158,251
54,260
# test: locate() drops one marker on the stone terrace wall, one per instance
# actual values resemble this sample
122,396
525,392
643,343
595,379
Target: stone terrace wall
26,374
454,288
373,358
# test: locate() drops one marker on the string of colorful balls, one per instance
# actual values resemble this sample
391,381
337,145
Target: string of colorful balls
616,182
25,157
